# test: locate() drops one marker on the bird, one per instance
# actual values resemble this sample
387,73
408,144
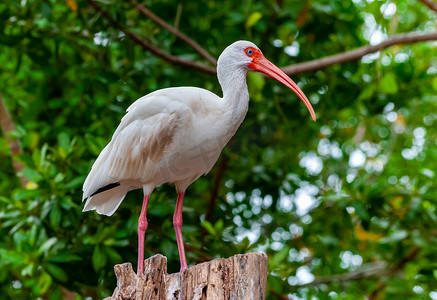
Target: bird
175,135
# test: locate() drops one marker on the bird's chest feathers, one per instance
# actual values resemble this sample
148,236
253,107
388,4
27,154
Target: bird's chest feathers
200,144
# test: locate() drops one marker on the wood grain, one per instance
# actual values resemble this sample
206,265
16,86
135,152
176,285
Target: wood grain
241,277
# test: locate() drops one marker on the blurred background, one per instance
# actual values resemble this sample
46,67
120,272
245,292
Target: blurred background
345,207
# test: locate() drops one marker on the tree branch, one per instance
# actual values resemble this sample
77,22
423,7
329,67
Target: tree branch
405,38
431,4
411,255
7,126
150,47
380,268
223,165
175,32
368,270
365,271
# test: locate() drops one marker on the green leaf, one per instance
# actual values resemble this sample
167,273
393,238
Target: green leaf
75,183
64,141
19,239
208,226
367,92
44,283
388,84
31,175
33,234
98,258
279,257
5,200
360,210
11,257
434,83
47,245
46,10
57,272
218,226
55,216
28,270
253,19
10,215
26,194
256,84
64,258
328,240
112,254
395,236
95,145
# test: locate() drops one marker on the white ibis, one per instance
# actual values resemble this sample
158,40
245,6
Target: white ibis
176,135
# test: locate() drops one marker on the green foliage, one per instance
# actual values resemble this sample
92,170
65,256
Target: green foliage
333,197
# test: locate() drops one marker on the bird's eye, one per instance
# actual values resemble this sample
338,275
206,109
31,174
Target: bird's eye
249,52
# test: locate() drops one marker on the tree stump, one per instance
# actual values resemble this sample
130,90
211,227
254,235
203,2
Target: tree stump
240,277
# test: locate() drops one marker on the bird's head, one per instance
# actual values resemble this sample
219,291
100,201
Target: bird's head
246,55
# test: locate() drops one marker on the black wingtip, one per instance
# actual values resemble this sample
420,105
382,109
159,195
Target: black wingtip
105,188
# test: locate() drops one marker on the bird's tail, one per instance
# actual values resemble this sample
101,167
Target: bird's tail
107,201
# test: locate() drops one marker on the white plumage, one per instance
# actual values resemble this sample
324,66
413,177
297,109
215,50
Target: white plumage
155,143
176,135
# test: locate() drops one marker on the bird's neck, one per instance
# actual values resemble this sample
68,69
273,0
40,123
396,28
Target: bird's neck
235,96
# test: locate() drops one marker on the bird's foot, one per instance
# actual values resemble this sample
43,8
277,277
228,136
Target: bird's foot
183,268
140,268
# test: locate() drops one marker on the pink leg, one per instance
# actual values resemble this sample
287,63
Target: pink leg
142,226
177,223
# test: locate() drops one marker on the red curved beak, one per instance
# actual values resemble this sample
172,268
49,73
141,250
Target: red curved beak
263,65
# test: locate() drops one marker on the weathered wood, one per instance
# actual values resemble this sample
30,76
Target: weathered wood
241,277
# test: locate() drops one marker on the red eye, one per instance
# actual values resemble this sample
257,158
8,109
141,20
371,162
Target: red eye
249,51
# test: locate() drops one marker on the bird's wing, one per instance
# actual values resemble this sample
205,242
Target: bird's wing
141,138
144,134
